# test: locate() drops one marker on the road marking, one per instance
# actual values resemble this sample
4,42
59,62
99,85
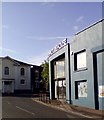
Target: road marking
25,110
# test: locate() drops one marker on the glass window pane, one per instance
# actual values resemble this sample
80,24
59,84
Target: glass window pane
22,81
81,60
6,71
60,89
36,74
60,69
22,71
82,89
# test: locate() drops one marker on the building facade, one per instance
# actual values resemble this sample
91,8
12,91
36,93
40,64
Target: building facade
15,75
36,78
76,69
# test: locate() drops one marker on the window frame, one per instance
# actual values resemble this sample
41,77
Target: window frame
24,82
22,71
56,67
76,89
6,70
36,74
76,62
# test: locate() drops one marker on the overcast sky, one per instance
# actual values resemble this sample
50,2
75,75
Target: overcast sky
30,30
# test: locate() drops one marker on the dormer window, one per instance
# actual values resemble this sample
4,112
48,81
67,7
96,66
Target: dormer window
6,70
22,71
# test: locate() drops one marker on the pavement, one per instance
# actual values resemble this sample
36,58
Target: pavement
77,110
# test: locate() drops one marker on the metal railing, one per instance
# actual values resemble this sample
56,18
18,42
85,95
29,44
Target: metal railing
44,96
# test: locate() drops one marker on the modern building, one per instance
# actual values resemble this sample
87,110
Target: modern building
76,68
15,76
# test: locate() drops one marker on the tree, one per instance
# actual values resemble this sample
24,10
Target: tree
45,74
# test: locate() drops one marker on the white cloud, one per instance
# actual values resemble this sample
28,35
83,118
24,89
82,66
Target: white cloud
80,19
76,28
37,60
47,38
7,50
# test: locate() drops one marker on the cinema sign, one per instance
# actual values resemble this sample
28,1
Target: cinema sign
58,47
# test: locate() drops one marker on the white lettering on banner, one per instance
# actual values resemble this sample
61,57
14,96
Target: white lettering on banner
57,47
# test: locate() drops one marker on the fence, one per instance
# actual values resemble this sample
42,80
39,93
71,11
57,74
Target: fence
44,96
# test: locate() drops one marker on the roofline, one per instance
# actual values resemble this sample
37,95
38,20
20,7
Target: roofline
89,26
16,61
20,62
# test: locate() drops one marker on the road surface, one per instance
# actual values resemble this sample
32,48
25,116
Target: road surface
25,107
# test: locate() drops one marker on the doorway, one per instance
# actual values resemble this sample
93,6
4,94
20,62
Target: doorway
60,89
98,65
8,87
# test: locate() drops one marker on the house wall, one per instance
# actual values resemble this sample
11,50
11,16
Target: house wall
90,40
15,75
26,77
8,63
17,79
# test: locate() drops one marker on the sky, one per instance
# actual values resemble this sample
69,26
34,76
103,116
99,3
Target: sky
31,29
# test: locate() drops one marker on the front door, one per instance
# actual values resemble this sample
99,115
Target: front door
60,89
8,88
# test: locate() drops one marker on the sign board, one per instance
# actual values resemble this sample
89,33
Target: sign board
101,91
57,47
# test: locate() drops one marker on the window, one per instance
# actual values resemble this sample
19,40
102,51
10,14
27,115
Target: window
59,69
6,71
22,81
80,60
36,74
80,89
37,84
22,71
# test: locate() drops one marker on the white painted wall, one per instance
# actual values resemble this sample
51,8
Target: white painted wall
26,77
14,73
16,83
8,63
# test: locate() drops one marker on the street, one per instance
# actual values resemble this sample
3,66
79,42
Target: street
25,107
